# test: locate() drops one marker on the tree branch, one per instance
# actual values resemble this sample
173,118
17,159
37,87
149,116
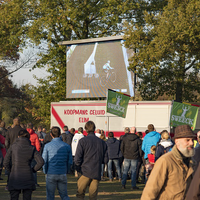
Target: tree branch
191,64
14,70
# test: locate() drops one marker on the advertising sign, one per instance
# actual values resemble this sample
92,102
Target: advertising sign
183,114
117,103
93,68
75,114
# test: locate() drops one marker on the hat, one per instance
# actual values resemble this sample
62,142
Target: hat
184,131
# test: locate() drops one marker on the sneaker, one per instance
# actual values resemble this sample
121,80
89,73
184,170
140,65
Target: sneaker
110,180
6,188
123,187
135,188
120,180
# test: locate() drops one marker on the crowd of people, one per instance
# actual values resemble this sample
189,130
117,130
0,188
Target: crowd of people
168,168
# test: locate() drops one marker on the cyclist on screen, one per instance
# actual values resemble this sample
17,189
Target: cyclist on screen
107,67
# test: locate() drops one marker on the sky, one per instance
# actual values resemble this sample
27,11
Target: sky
24,76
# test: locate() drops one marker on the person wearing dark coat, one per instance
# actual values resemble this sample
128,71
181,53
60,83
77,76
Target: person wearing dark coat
131,150
141,164
164,145
47,138
18,162
91,152
68,136
12,133
41,136
193,192
11,136
196,156
113,154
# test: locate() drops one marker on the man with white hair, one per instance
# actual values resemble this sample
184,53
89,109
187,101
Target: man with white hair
97,133
131,150
173,172
133,129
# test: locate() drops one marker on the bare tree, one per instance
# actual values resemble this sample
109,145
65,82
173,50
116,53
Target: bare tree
27,59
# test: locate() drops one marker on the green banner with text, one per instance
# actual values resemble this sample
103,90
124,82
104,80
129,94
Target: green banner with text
184,114
117,103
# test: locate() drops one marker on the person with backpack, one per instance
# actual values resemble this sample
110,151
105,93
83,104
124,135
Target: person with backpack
164,145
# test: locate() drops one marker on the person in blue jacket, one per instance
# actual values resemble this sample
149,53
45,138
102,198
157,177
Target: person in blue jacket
58,160
149,140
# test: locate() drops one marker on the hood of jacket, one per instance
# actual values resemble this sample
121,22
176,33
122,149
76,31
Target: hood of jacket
132,136
23,140
166,143
31,131
152,133
111,140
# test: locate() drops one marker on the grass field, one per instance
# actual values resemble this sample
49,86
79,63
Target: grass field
107,190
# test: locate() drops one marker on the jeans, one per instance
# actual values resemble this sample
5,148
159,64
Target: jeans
116,162
132,164
58,181
35,177
102,169
33,163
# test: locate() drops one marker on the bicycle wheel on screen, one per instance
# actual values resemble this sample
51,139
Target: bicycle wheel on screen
113,77
103,81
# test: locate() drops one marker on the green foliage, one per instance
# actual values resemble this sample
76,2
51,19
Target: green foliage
48,22
7,89
11,31
54,21
37,105
14,102
166,50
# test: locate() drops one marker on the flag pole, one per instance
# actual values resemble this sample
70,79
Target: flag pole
106,121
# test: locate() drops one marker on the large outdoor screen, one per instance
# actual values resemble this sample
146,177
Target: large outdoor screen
92,68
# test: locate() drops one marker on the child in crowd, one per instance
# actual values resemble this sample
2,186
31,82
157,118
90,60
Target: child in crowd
151,158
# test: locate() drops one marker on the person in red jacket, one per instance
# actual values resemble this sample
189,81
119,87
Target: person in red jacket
35,142
151,158
33,137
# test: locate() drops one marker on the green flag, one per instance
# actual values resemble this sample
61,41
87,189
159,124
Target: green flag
183,114
117,103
